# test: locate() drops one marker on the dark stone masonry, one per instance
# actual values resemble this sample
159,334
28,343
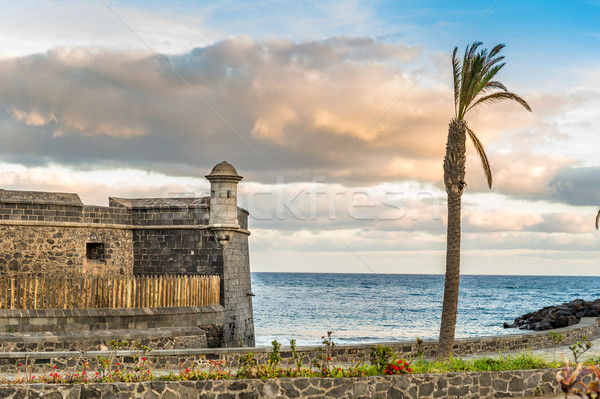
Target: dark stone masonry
90,329
55,234
419,386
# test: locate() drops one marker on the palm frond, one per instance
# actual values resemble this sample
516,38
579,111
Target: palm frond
471,51
491,62
482,155
477,72
487,77
466,77
456,75
597,219
488,70
494,85
496,49
498,97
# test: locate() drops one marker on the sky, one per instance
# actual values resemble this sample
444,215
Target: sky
336,114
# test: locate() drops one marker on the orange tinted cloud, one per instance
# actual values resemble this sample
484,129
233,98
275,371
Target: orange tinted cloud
356,110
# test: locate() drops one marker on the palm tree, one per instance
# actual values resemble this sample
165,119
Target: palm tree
473,86
597,219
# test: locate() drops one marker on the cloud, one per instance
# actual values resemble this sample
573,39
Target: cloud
95,186
36,26
293,104
499,220
566,222
356,110
320,206
526,174
577,185
531,241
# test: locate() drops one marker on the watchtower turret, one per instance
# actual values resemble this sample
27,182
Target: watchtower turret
236,289
223,196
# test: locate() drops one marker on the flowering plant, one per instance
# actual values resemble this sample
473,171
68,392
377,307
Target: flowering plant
399,367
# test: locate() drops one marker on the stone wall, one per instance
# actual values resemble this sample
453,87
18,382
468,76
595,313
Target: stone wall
60,251
211,252
166,251
417,386
48,234
237,293
74,329
167,234
164,338
183,245
105,215
57,320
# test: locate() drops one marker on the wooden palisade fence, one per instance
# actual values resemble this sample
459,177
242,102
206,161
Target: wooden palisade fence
29,292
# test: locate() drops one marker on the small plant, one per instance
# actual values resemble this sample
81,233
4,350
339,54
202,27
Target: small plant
298,358
216,371
400,367
419,348
104,364
82,349
246,365
275,354
325,355
381,356
119,344
579,349
113,367
556,339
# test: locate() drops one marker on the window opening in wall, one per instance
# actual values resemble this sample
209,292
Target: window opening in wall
228,194
213,193
94,251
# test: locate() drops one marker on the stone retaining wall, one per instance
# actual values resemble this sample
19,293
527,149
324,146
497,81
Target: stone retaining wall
464,385
58,320
194,358
88,329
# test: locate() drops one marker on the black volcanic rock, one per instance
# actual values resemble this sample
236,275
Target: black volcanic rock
551,317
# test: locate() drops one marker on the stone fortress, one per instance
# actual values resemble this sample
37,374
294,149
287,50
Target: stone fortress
55,234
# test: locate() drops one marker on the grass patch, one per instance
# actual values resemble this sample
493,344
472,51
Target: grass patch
521,361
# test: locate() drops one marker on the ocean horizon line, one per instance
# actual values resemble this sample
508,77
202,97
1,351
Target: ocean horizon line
427,274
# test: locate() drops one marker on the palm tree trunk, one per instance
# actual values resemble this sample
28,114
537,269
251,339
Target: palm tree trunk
454,180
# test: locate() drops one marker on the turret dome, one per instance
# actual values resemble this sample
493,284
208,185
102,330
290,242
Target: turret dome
223,170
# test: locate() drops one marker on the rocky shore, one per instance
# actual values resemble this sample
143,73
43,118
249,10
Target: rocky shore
552,317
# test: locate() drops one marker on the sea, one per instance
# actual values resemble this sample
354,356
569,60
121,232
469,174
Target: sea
372,308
